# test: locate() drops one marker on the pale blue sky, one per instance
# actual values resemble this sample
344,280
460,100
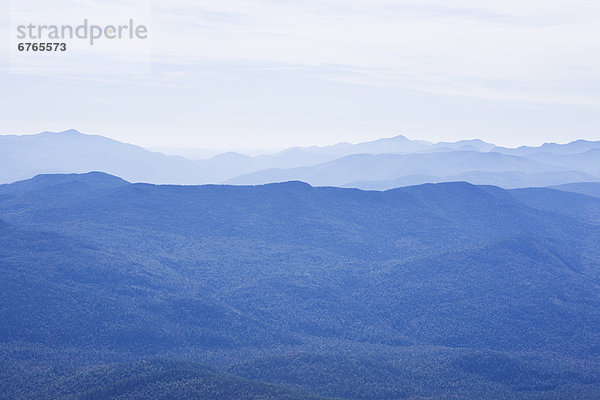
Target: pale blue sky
271,74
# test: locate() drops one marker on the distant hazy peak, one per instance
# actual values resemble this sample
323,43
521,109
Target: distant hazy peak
68,132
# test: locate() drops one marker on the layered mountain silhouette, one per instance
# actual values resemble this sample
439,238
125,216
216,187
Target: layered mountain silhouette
118,290
73,152
380,164
589,188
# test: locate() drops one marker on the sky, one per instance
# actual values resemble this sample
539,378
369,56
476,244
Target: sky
271,74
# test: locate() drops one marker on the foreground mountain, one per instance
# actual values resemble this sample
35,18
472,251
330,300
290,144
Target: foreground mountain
433,291
159,379
381,164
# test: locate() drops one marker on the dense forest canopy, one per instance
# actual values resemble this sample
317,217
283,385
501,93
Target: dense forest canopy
121,290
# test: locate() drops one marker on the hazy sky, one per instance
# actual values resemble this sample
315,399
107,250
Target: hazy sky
276,73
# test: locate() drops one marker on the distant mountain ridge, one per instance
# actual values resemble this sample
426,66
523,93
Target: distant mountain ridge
385,171
74,152
587,188
379,164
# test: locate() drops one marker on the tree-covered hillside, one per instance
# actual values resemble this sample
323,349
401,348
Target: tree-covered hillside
433,291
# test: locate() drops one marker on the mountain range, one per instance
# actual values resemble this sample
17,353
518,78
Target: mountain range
380,164
451,290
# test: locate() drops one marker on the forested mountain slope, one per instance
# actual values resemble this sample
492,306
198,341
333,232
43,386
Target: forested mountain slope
445,291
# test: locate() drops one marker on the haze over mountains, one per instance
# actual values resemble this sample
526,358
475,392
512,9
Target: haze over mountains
287,291
380,164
